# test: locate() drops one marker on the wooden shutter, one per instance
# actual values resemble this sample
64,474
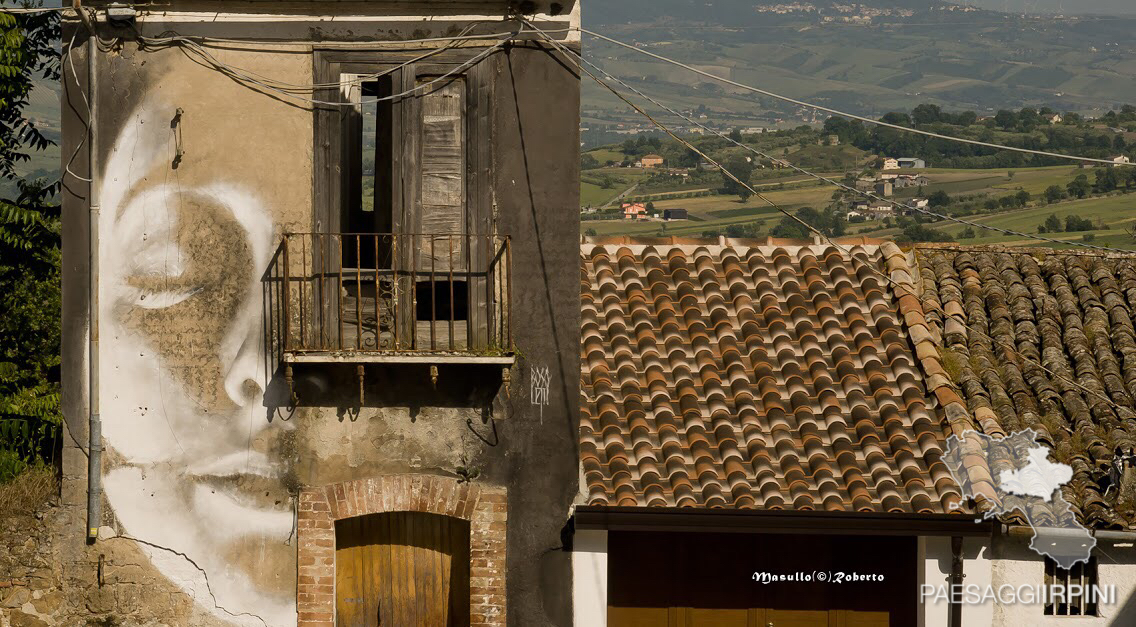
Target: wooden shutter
405,141
443,175
401,568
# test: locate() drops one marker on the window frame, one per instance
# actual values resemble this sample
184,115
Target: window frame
332,174
1087,575
328,199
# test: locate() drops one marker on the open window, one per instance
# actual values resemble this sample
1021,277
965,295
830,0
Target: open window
408,190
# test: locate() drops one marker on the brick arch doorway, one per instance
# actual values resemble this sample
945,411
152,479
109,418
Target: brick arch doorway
482,507
402,568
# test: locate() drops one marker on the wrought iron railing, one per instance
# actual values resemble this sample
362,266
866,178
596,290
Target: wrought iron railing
339,295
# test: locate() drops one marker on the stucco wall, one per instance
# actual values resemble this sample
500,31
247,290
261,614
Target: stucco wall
202,467
936,558
1009,561
1015,563
589,577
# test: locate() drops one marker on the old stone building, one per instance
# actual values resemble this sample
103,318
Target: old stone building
320,314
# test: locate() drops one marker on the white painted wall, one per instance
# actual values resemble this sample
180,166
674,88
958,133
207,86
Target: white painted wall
1010,561
589,578
1016,564
935,556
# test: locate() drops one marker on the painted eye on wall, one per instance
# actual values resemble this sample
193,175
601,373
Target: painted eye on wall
149,299
158,275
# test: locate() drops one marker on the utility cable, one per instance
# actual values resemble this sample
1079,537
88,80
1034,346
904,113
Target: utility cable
843,114
450,43
29,10
571,57
207,59
844,186
900,289
87,103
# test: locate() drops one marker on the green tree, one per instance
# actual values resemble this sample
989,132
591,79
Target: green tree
30,416
1052,224
1006,120
1023,197
926,114
939,199
1079,187
1075,223
828,222
1108,179
923,233
742,169
1054,193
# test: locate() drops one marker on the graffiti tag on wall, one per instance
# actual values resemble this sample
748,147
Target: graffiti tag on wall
539,384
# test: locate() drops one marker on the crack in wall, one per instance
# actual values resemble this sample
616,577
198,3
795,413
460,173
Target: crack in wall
205,575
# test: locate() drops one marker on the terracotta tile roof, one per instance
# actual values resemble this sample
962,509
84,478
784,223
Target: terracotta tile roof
751,374
1046,340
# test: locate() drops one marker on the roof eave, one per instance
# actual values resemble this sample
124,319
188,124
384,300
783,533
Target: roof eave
686,519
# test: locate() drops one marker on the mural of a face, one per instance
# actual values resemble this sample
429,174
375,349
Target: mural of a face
189,468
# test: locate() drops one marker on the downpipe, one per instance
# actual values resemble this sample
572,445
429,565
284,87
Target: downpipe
95,431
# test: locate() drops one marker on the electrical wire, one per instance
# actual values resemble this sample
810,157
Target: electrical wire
21,10
842,185
461,37
450,43
674,136
87,103
311,87
239,76
900,289
851,116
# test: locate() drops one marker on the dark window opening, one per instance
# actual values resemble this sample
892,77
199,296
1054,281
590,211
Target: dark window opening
1083,574
449,301
368,165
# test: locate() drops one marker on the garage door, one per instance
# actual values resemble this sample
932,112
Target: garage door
401,568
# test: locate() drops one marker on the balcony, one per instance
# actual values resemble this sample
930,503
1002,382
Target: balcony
354,298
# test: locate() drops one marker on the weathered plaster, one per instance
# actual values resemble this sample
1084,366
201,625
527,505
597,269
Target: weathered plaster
589,577
935,570
1016,564
203,468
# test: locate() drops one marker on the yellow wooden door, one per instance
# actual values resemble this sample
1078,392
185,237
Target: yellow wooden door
852,618
699,617
702,617
794,618
402,569
638,617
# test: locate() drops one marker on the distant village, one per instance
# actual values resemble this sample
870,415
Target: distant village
890,175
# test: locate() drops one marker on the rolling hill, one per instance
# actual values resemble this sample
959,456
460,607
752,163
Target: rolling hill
866,58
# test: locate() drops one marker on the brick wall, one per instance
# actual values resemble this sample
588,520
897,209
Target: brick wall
483,506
